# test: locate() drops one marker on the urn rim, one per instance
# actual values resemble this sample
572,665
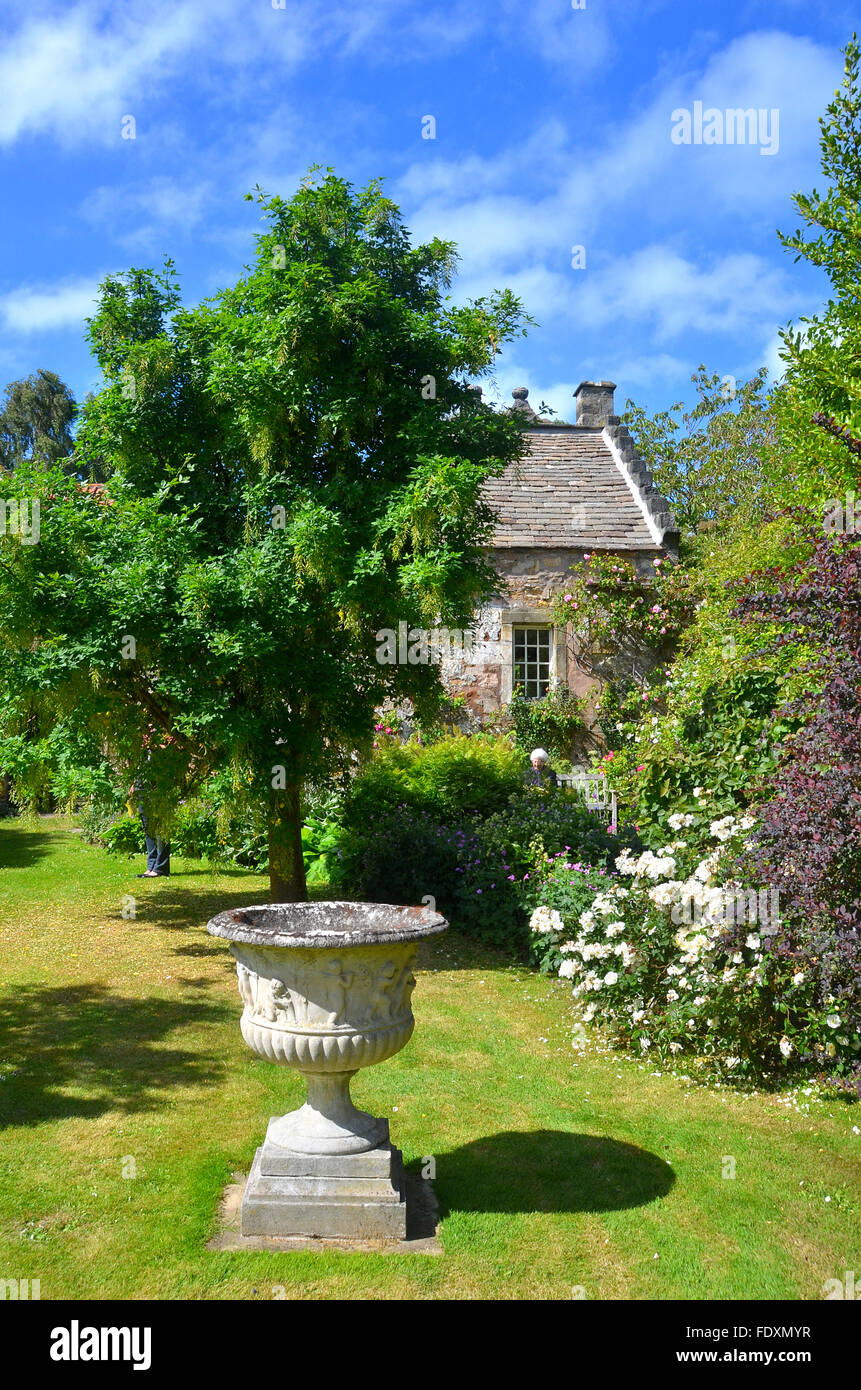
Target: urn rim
326,925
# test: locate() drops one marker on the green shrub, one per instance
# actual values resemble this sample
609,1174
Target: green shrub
554,722
483,872
458,775
124,836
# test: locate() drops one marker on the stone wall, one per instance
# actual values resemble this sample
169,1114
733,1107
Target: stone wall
529,582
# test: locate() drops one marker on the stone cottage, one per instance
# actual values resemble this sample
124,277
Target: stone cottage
580,489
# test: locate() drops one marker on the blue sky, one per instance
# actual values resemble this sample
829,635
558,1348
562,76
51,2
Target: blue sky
553,130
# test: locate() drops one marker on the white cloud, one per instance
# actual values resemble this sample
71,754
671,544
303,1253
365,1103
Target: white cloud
136,215
651,369
37,309
720,294
75,75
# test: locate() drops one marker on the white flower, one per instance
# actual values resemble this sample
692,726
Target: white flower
603,904
543,920
706,869
638,1015
664,894
672,996
698,791
798,978
732,1062
589,1013
628,954
568,969
645,1043
675,1047
752,941
723,829
654,866
596,950
833,1020
747,822
611,978
614,928
678,819
586,920
785,1046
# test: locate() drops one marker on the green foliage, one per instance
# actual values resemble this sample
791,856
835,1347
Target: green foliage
124,836
564,889
678,958
553,722
456,776
625,624
713,460
279,489
482,871
825,354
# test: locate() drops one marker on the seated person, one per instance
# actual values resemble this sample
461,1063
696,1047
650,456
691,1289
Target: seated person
541,774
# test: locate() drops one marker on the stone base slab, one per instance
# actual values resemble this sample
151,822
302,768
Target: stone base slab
421,1227
346,1205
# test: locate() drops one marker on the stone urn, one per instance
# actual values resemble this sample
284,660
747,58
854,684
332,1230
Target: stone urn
326,989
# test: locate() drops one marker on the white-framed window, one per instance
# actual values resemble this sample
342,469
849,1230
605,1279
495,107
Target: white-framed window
532,650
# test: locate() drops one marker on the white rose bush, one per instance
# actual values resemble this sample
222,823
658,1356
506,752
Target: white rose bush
677,960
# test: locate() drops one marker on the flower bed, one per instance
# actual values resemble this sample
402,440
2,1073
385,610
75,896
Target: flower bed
677,959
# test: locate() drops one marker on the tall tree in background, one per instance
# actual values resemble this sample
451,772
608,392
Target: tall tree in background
36,419
825,354
293,466
710,461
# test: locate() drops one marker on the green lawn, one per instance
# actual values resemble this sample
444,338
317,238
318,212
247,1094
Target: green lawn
119,1039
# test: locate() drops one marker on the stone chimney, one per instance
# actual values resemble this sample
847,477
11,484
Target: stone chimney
595,403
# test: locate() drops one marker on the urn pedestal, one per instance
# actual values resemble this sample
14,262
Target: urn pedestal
327,990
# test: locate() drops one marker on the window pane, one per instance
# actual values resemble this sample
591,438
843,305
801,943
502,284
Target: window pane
531,653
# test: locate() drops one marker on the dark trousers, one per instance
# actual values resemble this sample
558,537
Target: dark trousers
157,851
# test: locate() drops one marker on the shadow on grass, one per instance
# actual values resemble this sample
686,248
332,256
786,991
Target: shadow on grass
108,1046
549,1170
24,847
180,907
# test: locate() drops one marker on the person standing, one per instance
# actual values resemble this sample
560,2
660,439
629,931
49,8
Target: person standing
157,850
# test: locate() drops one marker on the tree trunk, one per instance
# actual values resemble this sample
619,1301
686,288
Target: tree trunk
286,865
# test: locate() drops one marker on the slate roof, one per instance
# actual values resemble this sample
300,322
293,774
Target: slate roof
569,490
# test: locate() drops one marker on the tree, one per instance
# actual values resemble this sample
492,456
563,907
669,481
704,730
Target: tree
35,420
711,460
825,355
808,845
292,467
